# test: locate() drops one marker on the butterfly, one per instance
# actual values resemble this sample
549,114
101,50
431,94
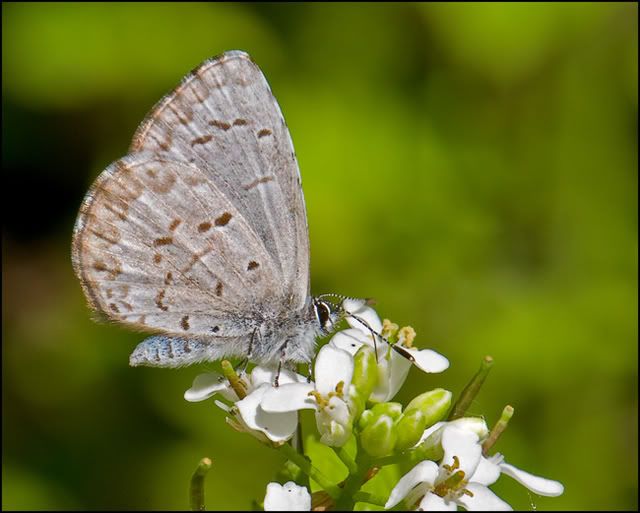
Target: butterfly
199,234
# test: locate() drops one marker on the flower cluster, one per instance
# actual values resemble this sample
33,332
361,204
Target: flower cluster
356,376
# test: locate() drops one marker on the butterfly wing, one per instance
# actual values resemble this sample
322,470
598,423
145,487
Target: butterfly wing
224,119
157,245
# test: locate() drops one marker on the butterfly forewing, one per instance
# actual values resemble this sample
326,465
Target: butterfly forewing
224,119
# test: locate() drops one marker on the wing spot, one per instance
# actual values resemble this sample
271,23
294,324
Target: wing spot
220,124
203,227
215,329
99,265
224,219
264,132
110,239
157,258
258,181
163,241
201,140
168,278
113,210
219,288
184,323
114,307
186,347
252,265
240,122
109,293
174,224
159,299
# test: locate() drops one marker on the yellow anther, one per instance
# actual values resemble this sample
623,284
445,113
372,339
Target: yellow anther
321,401
340,389
389,329
406,336
453,484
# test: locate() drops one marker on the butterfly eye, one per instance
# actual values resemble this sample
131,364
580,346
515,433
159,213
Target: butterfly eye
323,314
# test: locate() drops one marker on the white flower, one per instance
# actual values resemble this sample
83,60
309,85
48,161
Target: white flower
329,396
447,486
287,497
246,414
393,367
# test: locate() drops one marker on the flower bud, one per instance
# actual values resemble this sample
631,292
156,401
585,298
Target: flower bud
391,410
365,371
409,429
379,437
433,405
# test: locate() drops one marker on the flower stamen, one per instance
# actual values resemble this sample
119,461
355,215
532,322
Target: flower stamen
406,336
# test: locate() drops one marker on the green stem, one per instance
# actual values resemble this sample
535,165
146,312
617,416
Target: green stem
306,466
346,459
353,483
497,430
471,390
369,498
196,490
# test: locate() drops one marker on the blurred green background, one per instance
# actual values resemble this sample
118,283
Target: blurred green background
472,167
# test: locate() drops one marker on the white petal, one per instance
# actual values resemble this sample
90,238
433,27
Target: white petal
424,472
287,497
433,502
332,366
261,375
207,385
350,340
278,427
463,444
381,391
483,499
398,371
487,472
475,424
536,484
430,430
362,311
427,360
291,397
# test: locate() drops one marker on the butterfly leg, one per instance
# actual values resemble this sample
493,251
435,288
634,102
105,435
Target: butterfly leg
309,372
242,366
276,381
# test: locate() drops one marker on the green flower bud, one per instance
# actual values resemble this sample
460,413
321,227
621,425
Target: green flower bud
365,371
357,402
379,437
434,405
409,429
393,410
365,419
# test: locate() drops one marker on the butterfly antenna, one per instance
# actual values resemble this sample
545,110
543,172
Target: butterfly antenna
373,332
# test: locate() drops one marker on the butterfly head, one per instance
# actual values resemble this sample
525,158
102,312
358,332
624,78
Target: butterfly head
328,314
329,311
